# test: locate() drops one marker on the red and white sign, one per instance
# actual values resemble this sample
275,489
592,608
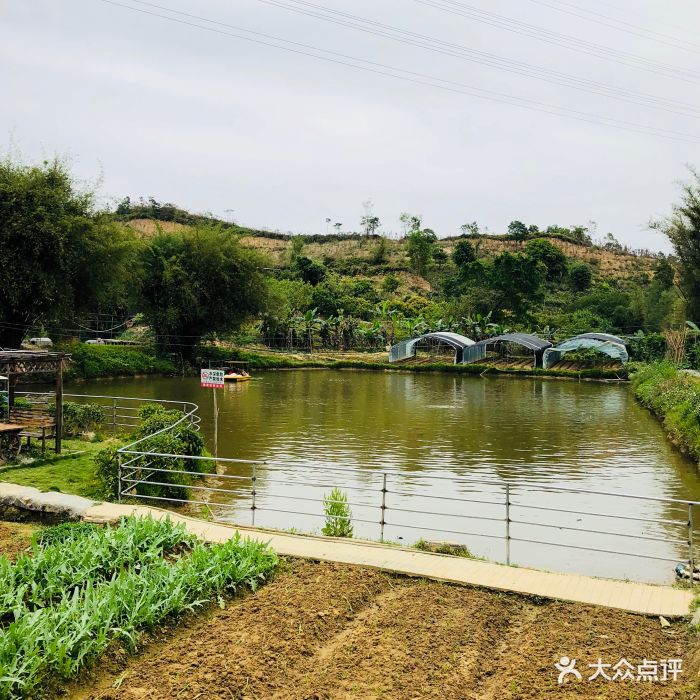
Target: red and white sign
212,378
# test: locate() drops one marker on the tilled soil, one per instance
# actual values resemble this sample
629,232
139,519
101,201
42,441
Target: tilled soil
323,630
15,538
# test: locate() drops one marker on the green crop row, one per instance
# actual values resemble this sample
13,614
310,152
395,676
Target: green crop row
69,556
57,641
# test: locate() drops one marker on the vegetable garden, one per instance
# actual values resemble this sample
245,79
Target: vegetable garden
83,587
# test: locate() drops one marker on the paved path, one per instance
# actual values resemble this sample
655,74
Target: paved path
633,597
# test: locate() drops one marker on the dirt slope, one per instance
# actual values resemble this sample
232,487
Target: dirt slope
333,631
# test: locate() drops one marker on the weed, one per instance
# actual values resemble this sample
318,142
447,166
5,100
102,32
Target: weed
338,514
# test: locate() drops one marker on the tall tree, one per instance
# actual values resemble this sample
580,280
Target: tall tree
683,229
199,281
58,256
518,279
549,254
517,230
419,247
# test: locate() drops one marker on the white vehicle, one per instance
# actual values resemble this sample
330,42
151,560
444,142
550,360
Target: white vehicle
41,342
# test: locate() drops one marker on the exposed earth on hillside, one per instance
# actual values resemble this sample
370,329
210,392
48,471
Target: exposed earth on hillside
324,630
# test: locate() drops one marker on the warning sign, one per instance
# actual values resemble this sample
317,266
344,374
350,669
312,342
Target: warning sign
212,378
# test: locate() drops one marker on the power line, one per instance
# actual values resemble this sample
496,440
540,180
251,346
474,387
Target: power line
408,76
484,58
564,40
663,38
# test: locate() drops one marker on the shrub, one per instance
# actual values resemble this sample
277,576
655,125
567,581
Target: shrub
113,360
580,276
79,418
181,440
338,514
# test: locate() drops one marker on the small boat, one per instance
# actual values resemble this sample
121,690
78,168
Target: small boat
236,372
683,571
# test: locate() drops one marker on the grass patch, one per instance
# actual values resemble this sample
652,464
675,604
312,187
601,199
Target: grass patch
454,549
74,471
675,398
93,361
82,591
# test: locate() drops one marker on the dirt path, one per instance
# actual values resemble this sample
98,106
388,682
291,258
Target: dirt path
334,631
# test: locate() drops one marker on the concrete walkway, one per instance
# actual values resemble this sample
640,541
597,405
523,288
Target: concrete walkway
632,597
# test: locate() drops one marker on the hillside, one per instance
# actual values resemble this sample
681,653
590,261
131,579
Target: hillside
357,291
353,253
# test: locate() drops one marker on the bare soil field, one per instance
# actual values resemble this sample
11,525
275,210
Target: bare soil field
15,538
323,630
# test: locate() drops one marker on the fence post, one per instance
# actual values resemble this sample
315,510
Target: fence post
508,524
691,558
252,507
383,510
119,478
114,415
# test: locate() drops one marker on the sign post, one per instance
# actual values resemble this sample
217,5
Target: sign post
213,379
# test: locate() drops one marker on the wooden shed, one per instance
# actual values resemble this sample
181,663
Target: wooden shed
18,364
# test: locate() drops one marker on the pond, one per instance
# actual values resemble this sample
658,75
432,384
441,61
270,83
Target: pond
448,442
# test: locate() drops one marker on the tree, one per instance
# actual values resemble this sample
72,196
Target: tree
463,254
296,246
199,281
439,256
517,230
419,247
58,256
470,229
580,276
310,271
379,253
683,230
549,254
519,279
370,224
410,222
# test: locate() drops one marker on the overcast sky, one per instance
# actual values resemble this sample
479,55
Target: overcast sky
213,122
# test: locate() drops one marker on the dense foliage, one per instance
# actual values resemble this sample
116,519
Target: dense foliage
168,482
199,281
675,397
90,361
79,418
683,229
59,256
76,594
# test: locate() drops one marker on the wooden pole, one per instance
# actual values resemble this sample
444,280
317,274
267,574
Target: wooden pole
59,406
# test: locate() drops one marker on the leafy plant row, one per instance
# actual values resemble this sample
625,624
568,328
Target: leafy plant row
68,556
55,642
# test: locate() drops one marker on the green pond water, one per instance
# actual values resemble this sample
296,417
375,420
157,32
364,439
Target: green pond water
447,444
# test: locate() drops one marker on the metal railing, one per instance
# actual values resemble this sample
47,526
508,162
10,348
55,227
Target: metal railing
388,503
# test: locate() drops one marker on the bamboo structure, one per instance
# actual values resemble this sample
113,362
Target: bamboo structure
675,344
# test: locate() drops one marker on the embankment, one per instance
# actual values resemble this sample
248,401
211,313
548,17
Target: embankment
674,396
